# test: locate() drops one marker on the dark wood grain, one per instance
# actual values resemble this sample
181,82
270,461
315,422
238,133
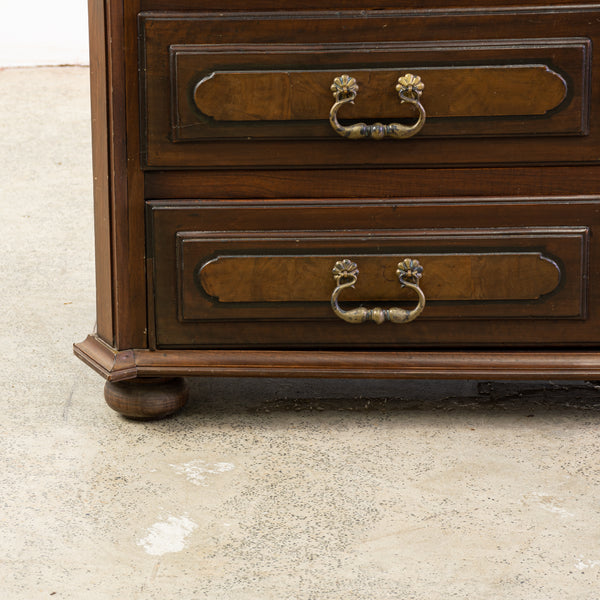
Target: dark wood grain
130,233
147,398
112,364
451,92
121,295
100,158
473,276
378,183
496,181
478,364
262,42
431,364
318,228
288,5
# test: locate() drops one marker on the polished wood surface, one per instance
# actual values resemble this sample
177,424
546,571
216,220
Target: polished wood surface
497,195
147,398
432,364
418,185
100,158
129,255
451,92
179,50
474,276
118,180
325,227
512,6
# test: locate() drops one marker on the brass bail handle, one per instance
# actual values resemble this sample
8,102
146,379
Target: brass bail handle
345,90
345,274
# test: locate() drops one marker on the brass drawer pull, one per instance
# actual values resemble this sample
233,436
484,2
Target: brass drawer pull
345,274
345,89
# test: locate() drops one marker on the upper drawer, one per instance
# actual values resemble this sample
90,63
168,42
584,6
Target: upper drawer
255,89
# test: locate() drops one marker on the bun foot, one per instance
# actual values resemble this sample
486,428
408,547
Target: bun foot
146,398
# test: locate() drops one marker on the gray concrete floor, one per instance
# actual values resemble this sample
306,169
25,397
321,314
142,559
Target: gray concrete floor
259,489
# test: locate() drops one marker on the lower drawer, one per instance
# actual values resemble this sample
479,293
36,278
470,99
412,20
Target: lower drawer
462,272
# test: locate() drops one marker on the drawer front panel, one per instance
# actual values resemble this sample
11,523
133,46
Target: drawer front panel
255,89
483,267
466,100
263,280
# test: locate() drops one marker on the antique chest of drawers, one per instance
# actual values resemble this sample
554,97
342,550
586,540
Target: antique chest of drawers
387,189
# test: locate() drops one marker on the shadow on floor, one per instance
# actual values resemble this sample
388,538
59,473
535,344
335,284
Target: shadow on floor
257,395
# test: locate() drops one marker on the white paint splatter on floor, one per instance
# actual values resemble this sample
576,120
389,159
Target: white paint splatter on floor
197,471
167,536
549,503
582,564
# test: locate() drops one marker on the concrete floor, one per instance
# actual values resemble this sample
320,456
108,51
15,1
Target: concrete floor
258,490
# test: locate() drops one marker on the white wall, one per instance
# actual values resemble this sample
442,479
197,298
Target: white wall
43,32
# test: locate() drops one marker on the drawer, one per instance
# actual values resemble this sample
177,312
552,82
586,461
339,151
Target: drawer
255,274
255,89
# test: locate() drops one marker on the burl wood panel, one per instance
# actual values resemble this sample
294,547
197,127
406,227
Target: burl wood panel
457,97
470,266
475,276
253,230
178,52
451,92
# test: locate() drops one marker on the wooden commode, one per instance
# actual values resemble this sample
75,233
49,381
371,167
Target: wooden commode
388,189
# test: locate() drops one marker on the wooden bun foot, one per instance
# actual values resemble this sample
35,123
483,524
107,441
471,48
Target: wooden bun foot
146,398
